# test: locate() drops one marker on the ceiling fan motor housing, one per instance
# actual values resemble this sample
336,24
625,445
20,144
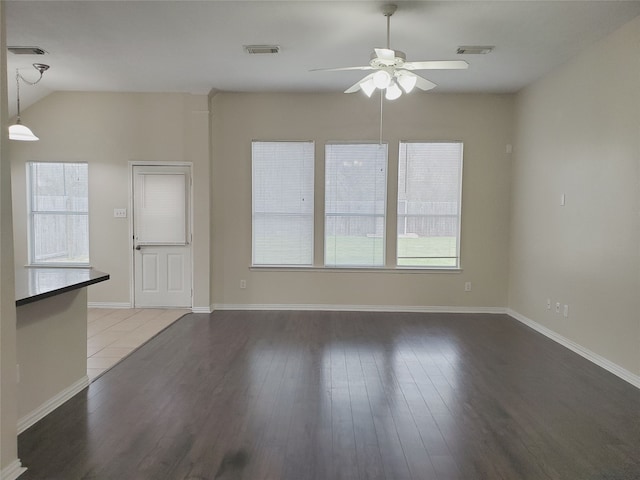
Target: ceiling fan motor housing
398,60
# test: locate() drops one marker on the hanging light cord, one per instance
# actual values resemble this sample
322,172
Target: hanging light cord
18,92
41,67
27,81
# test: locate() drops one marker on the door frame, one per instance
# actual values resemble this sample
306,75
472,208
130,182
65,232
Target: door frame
131,246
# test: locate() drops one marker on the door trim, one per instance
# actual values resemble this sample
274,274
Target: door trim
143,163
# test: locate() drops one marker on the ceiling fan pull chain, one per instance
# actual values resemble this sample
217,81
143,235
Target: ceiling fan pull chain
381,103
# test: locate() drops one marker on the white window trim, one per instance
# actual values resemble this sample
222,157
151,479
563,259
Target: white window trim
334,267
313,214
458,266
30,218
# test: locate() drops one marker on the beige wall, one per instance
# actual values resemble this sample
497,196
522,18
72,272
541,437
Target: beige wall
578,134
9,463
52,348
108,130
482,122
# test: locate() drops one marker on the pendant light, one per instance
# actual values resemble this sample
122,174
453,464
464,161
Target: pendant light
18,131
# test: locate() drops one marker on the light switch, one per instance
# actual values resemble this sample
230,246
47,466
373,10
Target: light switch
120,212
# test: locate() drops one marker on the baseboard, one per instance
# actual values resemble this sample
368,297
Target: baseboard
599,360
358,308
109,305
51,404
201,309
12,471
116,305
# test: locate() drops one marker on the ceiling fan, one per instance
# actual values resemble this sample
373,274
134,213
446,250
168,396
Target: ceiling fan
393,73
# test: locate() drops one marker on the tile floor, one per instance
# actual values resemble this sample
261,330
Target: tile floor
112,334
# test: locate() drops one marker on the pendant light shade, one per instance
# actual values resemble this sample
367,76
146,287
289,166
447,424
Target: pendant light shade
22,133
18,131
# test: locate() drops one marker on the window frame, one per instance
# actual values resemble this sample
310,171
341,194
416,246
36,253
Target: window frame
458,214
311,196
383,215
32,214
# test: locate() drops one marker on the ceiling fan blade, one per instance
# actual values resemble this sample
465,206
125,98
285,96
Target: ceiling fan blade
424,84
339,69
358,85
437,65
385,54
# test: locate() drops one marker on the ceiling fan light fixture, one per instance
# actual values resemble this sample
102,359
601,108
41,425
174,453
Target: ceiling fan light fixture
368,87
381,79
393,91
407,81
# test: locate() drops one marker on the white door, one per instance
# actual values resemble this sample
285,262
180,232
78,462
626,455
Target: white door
162,236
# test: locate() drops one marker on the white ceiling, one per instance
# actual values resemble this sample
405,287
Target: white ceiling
196,46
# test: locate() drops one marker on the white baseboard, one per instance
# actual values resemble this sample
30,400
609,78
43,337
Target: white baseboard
12,471
108,305
358,308
116,305
201,309
599,360
51,404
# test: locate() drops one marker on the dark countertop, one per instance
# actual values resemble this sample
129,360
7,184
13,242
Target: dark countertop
36,283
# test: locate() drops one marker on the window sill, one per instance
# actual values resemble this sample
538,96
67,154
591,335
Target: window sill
58,265
396,270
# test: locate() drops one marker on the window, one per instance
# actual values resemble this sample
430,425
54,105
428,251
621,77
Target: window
282,208
429,198
58,213
355,204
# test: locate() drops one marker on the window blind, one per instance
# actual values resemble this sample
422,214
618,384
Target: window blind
282,203
58,212
429,201
355,204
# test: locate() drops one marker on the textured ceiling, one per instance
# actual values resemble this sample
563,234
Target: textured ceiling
196,46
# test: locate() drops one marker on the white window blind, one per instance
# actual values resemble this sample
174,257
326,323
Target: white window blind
282,191
161,213
58,213
355,204
429,201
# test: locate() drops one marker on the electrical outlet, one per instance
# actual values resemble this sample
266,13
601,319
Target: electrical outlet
566,311
120,212
243,284
548,304
557,307
467,286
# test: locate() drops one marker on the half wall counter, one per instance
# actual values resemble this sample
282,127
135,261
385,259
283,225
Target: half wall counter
51,311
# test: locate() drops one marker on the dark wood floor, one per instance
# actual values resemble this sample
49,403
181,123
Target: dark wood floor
330,395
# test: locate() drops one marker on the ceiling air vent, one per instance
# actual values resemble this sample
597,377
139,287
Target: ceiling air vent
27,50
260,49
475,50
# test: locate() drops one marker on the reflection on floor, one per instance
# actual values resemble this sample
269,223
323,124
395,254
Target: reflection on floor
112,334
